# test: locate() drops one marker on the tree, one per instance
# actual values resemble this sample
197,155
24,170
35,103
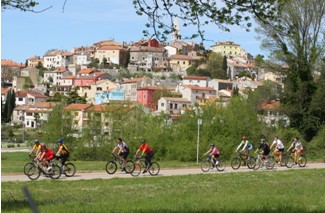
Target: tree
94,63
9,106
215,66
225,64
73,97
41,69
296,38
193,13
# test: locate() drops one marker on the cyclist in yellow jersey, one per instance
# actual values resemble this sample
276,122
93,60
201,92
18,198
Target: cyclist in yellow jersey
36,148
63,152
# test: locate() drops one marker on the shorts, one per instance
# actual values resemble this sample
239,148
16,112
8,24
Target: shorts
49,157
300,151
124,154
281,150
266,152
216,155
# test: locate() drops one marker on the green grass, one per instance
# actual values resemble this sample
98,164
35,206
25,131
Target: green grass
267,191
14,162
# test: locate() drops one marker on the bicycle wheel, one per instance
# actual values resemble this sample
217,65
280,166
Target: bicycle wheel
55,172
221,165
129,166
285,159
33,172
206,165
69,169
290,162
136,170
258,164
27,166
269,164
302,161
251,162
235,163
111,167
154,169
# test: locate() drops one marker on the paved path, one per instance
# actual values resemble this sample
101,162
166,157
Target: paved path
163,173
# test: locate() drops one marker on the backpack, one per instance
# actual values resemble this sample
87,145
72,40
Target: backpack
65,150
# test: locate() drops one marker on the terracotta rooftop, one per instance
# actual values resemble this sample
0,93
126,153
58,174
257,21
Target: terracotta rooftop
10,63
199,88
133,80
176,99
270,105
87,70
4,90
107,47
77,107
182,57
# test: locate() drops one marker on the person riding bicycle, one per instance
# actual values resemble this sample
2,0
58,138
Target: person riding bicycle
63,152
214,153
45,155
279,147
36,147
297,147
123,151
149,154
264,148
247,146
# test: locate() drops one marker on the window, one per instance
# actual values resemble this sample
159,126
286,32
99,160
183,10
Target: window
162,104
176,106
171,106
76,122
20,99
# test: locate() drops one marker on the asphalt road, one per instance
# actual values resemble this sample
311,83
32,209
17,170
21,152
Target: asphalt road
163,173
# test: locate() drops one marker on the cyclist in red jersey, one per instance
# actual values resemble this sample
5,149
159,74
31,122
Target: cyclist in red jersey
45,155
146,149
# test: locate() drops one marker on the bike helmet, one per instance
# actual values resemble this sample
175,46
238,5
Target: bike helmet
212,145
143,141
36,141
244,138
60,140
262,140
43,145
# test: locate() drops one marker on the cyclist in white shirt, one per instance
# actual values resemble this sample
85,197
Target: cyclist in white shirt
123,151
279,147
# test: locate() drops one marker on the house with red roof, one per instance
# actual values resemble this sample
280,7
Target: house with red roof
113,54
4,94
130,86
179,63
79,114
270,113
9,69
57,58
169,105
29,98
196,94
54,76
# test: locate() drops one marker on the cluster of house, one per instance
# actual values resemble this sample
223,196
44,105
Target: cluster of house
189,92
69,70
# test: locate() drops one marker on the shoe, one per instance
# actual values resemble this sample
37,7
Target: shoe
48,169
144,171
123,170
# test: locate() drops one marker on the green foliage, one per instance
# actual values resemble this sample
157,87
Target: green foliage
316,147
27,83
73,97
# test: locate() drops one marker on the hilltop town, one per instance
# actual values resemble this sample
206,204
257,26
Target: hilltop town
95,73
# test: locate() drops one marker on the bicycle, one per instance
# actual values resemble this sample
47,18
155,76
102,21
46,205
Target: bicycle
37,168
276,158
111,166
69,169
208,164
268,162
302,160
242,160
153,169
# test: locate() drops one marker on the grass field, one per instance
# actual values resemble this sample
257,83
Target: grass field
268,191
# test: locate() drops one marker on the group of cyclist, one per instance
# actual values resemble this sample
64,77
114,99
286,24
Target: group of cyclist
123,152
45,154
263,148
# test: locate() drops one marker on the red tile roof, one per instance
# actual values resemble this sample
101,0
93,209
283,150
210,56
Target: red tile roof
133,80
270,105
106,47
77,107
182,57
69,77
10,63
87,70
4,90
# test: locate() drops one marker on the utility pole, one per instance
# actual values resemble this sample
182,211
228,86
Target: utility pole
199,122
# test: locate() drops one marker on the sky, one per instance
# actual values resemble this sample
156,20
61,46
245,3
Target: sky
85,22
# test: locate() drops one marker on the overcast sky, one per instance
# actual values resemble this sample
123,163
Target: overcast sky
85,22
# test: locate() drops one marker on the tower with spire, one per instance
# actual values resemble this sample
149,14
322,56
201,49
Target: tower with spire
176,33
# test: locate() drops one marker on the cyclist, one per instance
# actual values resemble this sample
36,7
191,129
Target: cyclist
45,155
265,149
123,151
145,148
214,153
247,146
36,147
63,152
298,148
279,148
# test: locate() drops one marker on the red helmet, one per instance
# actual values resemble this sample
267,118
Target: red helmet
244,138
